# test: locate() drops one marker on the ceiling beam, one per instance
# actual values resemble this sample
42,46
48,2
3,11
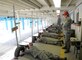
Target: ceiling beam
37,3
70,1
31,3
62,8
17,3
50,8
26,5
9,4
48,3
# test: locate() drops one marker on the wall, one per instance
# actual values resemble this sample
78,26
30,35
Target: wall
78,28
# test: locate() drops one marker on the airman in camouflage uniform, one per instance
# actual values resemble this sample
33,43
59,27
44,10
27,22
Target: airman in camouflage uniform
49,40
36,53
67,29
52,35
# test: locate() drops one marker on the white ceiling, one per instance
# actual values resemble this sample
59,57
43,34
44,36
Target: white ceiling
37,7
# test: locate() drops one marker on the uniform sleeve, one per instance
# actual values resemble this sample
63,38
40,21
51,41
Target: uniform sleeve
69,21
68,24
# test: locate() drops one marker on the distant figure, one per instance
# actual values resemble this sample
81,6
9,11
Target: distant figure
59,20
67,29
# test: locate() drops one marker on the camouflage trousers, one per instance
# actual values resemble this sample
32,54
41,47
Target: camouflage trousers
45,56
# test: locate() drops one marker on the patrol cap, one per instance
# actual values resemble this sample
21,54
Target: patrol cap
65,13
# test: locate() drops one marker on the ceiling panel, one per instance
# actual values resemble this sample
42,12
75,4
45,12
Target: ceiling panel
42,2
7,5
64,2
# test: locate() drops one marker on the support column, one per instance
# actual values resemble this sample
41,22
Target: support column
15,25
19,32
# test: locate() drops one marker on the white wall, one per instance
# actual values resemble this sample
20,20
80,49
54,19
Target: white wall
78,28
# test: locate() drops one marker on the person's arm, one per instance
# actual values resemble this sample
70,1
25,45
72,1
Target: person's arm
27,51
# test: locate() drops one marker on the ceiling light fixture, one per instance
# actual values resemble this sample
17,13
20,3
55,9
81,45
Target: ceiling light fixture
58,11
57,3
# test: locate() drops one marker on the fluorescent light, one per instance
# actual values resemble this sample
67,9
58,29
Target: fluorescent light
58,11
57,3
58,14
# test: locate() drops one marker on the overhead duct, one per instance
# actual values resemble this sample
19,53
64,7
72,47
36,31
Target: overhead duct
31,3
48,2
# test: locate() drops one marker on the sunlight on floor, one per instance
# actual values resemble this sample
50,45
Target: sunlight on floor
8,55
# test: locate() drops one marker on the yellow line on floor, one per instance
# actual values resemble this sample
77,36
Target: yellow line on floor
62,54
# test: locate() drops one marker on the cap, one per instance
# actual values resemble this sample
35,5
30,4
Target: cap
65,13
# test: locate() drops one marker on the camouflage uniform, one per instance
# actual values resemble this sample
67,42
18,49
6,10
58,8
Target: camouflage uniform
48,40
67,33
52,35
42,55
